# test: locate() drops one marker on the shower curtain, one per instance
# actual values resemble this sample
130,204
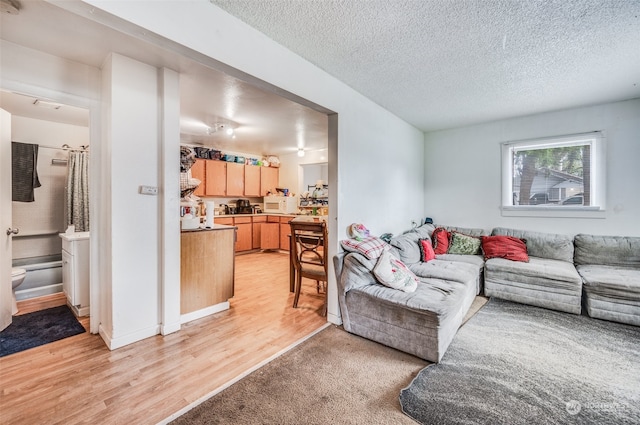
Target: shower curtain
78,191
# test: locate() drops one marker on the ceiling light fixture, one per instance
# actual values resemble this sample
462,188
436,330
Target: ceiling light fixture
220,127
300,152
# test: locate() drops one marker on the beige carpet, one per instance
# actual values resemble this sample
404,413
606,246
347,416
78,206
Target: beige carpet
332,378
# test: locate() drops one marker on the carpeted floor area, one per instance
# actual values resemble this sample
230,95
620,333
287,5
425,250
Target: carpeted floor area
38,328
518,364
332,378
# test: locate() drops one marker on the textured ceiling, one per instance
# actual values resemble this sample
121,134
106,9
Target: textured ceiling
449,63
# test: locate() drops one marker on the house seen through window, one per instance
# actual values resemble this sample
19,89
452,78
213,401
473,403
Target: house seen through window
557,172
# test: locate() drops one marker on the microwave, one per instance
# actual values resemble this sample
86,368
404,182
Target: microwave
280,204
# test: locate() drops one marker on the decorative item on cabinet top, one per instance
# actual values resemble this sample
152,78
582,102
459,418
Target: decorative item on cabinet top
211,153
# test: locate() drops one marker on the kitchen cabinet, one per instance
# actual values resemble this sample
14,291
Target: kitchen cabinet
75,271
252,180
207,267
256,228
198,172
215,178
270,235
244,241
268,179
235,179
285,231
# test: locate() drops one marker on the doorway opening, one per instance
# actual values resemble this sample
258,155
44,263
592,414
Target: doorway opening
56,134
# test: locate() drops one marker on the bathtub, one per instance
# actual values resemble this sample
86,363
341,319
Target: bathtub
44,276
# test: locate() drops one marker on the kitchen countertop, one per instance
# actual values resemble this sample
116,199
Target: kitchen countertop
215,227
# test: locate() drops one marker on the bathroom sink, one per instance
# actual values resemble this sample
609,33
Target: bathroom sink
74,236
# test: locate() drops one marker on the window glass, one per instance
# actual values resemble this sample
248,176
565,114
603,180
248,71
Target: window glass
553,173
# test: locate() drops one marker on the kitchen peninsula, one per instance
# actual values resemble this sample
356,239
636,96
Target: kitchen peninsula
207,268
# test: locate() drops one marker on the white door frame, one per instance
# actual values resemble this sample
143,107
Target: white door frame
93,106
6,220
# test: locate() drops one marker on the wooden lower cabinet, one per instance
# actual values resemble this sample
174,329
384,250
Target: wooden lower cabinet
206,268
285,231
258,221
270,236
245,239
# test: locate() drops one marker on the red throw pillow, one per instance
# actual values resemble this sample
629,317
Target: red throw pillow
506,247
440,238
426,250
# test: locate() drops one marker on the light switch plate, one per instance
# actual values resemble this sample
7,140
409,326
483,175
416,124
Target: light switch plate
149,190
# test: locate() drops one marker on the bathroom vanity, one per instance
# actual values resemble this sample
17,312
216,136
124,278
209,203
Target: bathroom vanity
75,271
207,267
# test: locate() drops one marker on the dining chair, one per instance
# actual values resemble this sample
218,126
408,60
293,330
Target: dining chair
309,255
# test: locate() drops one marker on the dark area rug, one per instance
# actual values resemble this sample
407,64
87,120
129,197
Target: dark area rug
38,328
518,364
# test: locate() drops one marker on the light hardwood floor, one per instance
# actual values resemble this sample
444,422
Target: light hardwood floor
78,380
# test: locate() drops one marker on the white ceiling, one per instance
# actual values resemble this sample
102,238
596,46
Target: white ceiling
435,63
448,63
264,122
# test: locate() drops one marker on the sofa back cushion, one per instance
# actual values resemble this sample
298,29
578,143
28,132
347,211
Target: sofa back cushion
620,251
542,245
407,247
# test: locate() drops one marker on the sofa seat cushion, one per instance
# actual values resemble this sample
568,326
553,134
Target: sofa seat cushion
611,281
431,297
475,260
542,272
449,270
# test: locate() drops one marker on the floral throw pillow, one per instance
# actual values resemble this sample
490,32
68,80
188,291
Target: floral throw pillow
393,273
464,244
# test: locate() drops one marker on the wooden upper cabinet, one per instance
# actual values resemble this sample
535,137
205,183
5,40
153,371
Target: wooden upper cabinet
268,179
216,178
198,172
235,179
252,180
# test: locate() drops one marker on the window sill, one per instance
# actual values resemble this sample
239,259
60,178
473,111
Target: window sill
551,211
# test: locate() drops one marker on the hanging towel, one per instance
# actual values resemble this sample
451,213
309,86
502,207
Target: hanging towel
24,171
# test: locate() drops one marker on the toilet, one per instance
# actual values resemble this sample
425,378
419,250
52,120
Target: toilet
17,276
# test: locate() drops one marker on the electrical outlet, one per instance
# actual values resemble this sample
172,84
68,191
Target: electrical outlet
414,224
149,190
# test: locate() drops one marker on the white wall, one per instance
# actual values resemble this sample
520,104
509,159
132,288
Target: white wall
380,156
49,202
132,132
376,166
462,170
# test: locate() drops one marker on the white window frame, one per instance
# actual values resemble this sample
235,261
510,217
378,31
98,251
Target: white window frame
597,185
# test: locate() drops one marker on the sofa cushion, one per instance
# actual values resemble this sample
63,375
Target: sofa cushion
539,272
615,282
607,250
407,248
426,250
463,244
506,247
440,239
542,245
446,270
370,247
392,272
476,260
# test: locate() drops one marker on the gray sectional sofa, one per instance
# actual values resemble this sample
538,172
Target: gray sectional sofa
424,322
610,269
548,280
